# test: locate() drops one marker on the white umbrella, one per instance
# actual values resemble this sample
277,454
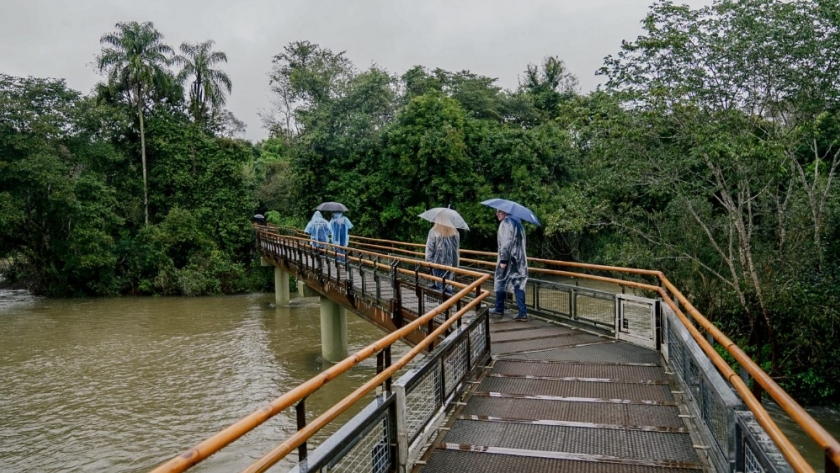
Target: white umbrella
445,216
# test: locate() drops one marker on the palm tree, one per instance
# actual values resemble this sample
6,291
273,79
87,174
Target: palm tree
135,59
207,89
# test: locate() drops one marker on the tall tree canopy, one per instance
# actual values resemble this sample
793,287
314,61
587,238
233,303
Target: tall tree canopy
208,87
135,59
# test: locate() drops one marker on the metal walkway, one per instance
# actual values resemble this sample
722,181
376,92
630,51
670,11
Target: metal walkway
619,378
557,399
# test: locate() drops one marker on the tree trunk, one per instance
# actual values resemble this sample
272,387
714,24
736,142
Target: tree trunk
143,158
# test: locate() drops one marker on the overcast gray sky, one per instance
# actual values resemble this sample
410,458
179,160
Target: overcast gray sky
495,38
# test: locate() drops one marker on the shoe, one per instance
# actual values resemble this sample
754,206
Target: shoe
495,315
521,318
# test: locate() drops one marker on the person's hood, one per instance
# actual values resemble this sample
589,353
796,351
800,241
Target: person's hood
336,215
316,215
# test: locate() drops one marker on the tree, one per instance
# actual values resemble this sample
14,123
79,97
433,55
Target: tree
207,90
304,75
57,213
722,152
548,85
135,60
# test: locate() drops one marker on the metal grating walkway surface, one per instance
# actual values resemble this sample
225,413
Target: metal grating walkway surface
560,400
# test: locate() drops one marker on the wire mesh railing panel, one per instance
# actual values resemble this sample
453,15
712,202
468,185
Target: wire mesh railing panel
455,366
751,464
638,316
707,395
595,308
478,343
756,452
553,299
371,454
422,400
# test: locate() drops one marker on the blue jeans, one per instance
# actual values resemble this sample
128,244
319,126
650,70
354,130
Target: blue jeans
441,273
519,295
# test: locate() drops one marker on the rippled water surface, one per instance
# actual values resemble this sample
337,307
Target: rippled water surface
124,384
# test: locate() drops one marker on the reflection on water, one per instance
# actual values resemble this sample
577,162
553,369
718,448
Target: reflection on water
124,384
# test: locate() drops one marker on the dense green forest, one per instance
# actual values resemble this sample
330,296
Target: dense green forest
710,153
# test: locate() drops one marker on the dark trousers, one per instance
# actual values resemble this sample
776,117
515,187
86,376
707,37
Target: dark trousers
518,294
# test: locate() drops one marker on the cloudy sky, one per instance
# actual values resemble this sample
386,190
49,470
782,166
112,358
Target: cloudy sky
496,38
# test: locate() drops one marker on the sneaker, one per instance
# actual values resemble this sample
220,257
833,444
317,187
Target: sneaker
521,318
495,315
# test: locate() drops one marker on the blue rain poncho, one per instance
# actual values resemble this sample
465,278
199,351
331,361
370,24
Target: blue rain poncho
319,229
511,239
340,229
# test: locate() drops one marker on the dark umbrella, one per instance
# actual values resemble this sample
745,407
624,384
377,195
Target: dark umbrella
513,209
332,207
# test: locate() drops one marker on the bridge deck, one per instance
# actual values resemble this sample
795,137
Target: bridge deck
553,399
557,399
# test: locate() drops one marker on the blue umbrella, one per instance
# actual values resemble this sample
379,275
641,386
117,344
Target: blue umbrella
513,209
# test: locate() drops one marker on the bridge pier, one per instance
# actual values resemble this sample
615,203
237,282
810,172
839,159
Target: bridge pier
281,287
304,290
333,330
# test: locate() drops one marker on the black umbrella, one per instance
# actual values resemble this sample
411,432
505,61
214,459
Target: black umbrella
332,207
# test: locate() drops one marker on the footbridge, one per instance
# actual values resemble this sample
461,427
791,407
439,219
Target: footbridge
615,371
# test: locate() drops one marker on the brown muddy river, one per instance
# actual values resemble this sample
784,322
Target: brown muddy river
124,384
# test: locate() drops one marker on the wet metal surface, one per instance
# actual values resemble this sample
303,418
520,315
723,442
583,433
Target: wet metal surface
571,456
608,408
561,423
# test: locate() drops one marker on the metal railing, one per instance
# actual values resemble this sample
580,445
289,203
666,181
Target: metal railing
390,432
403,276
713,391
703,335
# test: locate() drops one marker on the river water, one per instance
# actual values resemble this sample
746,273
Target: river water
124,384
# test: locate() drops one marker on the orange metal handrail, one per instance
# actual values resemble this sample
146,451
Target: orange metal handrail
305,433
826,442
196,454
809,425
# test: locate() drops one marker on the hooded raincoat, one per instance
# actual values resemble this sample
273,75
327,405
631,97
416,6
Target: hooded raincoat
443,249
340,229
511,239
319,229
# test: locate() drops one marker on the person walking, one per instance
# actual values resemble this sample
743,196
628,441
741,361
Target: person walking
511,266
340,230
318,229
442,246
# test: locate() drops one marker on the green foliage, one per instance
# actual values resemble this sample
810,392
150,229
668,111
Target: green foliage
68,210
208,87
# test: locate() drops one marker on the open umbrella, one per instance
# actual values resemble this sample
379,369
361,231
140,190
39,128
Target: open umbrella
513,209
332,207
445,216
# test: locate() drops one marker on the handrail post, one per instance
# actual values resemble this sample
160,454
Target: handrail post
830,466
387,365
300,408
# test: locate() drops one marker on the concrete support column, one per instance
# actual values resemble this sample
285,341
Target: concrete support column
304,290
333,330
281,287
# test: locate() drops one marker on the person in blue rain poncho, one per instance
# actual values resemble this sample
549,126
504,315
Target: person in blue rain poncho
442,246
511,266
340,230
318,229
